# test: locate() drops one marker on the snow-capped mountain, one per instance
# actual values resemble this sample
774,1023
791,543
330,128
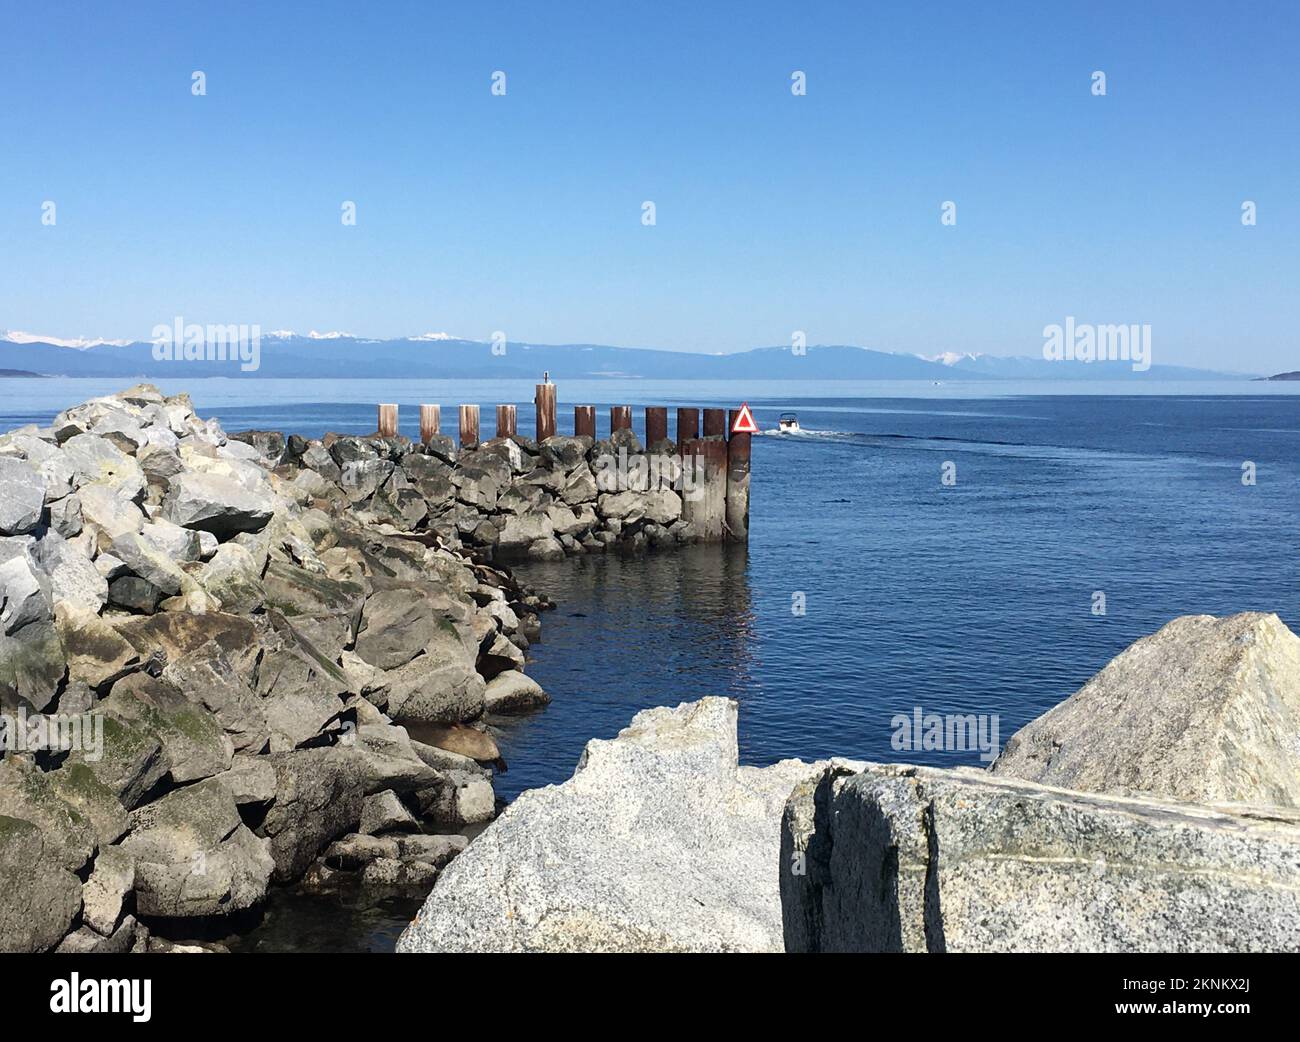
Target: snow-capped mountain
17,336
950,357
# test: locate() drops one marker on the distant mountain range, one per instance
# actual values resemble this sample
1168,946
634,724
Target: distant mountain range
440,356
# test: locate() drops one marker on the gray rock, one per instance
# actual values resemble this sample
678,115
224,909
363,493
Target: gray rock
318,798
436,850
459,800
512,692
96,461
193,743
233,578
1206,710
74,579
108,513
96,653
39,898
149,557
65,516
112,878
384,812
194,856
522,531
22,496
356,851
24,598
360,479
32,665
893,858
397,625
659,842
207,677
134,594
77,786
251,779
215,503
29,793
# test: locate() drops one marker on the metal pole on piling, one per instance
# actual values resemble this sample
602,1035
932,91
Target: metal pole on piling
656,424
620,418
738,448
469,426
430,422
506,416
688,426
545,402
387,423
584,421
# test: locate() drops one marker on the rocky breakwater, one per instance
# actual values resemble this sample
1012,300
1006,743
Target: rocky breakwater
1154,810
511,497
213,652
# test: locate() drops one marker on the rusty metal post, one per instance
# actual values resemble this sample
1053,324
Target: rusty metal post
469,426
506,416
387,423
430,422
715,423
545,402
620,418
738,448
656,424
704,492
688,426
584,421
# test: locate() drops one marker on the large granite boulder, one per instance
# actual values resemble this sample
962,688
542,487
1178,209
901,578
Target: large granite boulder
889,858
659,842
1205,710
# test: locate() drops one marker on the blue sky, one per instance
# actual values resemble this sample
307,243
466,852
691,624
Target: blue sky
775,213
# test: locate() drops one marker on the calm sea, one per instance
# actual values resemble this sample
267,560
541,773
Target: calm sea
870,587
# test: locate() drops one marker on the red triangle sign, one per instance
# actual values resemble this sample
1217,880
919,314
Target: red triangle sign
744,423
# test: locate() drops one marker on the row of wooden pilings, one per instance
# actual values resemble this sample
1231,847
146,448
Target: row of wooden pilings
715,460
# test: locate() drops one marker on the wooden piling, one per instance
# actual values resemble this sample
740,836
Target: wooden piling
387,424
430,422
704,492
656,424
715,423
738,449
688,426
620,418
506,416
545,402
469,426
584,421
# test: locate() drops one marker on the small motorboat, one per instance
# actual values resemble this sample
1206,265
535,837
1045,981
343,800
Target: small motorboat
787,423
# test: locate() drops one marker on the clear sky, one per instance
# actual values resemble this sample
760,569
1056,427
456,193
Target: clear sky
775,213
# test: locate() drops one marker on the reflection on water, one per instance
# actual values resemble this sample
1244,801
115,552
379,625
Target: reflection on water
297,922
627,634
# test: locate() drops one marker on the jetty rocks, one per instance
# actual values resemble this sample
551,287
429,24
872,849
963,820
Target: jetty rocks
1178,830
222,669
513,498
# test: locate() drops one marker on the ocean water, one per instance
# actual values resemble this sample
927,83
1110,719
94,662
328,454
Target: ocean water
976,597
